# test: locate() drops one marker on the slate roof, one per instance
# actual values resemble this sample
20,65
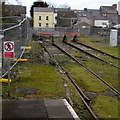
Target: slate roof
67,14
43,9
91,14
13,10
108,10
96,15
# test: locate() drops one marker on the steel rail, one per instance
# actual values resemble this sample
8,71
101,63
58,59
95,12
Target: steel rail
71,79
81,94
90,54
74,40
94,74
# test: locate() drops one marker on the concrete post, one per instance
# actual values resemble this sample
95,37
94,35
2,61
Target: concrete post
113,37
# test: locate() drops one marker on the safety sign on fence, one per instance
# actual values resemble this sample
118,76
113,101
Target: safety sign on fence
9,49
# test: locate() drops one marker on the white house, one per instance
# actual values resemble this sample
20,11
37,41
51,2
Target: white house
101,23
119,7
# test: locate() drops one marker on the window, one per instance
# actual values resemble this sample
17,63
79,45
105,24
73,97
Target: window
47,25
104,23
40,18
40,24
47,18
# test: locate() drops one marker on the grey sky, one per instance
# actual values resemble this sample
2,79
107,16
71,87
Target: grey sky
74,4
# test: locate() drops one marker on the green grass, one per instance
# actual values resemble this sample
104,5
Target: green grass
36,74
43,77
85,79
89,83
46,78
104,107
101,103
100,45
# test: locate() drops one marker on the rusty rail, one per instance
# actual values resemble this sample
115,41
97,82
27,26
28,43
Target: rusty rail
103,81
91,55
81,94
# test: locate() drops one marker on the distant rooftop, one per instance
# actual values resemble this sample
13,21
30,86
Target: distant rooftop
13,10
43,9
67,14
108,9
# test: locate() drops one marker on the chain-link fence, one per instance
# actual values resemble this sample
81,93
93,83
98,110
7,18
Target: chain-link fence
10,21
103,33
17,34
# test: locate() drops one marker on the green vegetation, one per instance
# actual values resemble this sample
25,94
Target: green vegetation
46,79
90,84
106,107
50,83
100,44
41,77
36,74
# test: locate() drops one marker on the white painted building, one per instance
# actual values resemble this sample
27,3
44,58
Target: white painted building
119,7
101,23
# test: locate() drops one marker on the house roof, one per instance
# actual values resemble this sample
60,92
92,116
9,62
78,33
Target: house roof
93,14
117,26
43,9
67,14
13,10
108,9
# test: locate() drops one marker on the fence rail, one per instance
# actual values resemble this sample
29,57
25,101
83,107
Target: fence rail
92,32
17,34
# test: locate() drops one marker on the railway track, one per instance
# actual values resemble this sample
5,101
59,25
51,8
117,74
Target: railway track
87,53
94,74
104,53
57,48
83,97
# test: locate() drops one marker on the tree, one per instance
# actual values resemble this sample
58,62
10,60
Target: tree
37,4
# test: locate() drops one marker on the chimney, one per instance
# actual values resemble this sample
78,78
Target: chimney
85,9
114,6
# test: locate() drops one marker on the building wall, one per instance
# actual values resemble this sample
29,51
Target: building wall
101,23
43,20
85,19
119,7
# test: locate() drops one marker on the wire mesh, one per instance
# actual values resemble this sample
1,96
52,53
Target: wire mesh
17,34
102,33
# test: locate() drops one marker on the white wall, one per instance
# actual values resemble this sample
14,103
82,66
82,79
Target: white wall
101,23
119,7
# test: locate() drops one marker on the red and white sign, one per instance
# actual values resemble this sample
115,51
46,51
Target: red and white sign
9,49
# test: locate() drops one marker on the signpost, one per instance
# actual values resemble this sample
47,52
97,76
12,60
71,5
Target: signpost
8,54
9,49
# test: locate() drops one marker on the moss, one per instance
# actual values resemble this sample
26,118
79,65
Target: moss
104,46
41,77
106,107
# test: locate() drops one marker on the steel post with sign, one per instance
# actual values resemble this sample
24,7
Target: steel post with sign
8,54
9,49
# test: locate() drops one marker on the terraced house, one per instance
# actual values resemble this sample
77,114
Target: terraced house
44,17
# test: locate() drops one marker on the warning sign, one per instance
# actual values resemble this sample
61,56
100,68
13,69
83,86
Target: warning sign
9,49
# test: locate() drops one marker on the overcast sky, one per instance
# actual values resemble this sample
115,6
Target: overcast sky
74,4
